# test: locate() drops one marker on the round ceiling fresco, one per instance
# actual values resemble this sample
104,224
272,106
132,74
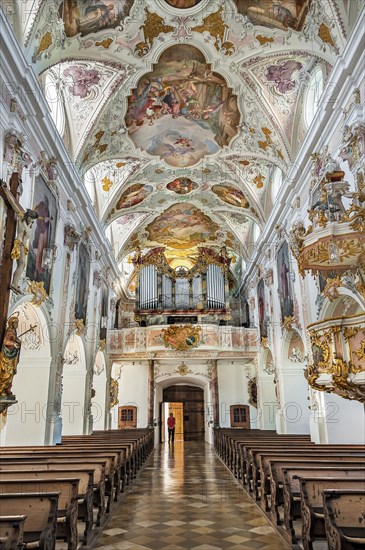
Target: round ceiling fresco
183,4
182,186
182,111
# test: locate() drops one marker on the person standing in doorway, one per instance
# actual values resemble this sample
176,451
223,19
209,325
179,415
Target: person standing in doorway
171,427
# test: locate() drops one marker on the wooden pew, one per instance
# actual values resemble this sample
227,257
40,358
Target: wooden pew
67,500
87,455
91,489
40,510
243,448
291,488
263,482
126,461
277,467
311,494
344,519
11,532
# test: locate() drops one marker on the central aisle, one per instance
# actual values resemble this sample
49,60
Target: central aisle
186,499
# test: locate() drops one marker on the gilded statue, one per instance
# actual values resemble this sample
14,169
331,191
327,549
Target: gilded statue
9,355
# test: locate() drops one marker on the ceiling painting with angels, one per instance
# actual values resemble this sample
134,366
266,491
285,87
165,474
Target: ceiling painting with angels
183,116
183,110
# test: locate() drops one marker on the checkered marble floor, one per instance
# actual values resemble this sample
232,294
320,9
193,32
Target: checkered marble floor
186,499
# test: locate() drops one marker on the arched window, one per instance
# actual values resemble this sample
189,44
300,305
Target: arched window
277,180
313,95
255,232
55,102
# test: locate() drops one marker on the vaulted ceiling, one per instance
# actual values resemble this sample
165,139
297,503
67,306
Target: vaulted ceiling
180,112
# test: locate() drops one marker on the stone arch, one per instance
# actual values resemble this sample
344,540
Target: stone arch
73,387
32,381
98,400
197,380
293,348
347,304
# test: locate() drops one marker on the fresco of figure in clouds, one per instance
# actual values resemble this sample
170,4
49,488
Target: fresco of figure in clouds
182,110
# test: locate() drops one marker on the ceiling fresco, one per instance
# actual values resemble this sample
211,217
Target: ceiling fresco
182,226
135,194
182,111
182,186
230,195
279,14
179,112
91,16
182,4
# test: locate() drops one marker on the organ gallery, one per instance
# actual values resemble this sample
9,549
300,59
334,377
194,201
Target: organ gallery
182,296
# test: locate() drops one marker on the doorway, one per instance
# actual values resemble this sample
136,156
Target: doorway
177,409
188,403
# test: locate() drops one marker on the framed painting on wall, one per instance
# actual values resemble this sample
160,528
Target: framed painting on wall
285,283
262,309
42,237
82,285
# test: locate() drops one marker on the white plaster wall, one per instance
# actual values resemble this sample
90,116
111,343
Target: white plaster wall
232,383
26,423
98,403
73,399
208,415
344,420
133,390
158,401
267,402
294,402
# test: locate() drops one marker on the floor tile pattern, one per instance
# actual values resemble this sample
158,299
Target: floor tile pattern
185,499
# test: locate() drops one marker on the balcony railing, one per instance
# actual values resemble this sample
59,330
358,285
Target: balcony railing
213,338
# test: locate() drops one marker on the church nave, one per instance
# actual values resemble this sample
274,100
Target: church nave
185,498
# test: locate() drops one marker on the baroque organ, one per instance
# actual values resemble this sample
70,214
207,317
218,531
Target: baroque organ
197,291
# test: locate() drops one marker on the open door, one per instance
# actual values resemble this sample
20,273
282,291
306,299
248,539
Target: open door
177,409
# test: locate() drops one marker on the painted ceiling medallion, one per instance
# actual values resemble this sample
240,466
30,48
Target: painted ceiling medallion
135,194
182,111
230,195
182,186
276,14
84,18
183,4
